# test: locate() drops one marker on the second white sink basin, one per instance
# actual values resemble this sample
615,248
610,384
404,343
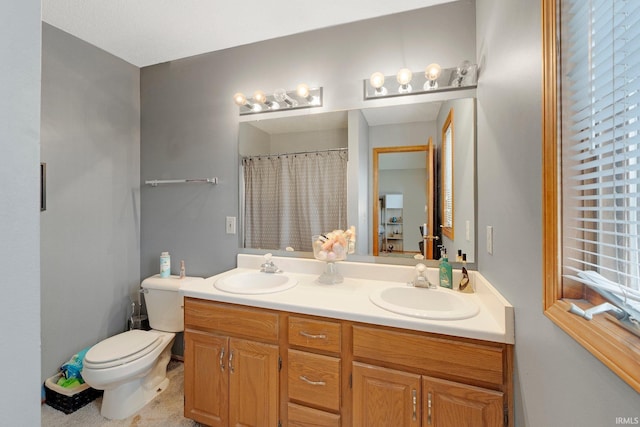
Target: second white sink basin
254,282
435,304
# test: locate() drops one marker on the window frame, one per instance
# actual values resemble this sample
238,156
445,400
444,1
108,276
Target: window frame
614,346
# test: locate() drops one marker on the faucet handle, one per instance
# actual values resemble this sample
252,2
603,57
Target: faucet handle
269,266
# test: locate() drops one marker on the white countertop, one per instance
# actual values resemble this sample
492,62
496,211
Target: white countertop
350,300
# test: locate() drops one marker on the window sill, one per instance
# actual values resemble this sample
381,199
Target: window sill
614,346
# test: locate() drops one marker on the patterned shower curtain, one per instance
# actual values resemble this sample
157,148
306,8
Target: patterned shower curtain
290,197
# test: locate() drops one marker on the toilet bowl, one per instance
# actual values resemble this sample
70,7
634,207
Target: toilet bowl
131,367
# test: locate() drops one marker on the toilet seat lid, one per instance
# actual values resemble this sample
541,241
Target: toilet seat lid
121,348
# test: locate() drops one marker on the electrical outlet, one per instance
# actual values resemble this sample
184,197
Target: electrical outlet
231,225
490,239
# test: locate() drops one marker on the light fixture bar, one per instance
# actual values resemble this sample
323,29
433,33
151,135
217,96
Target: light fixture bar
280,100
463,77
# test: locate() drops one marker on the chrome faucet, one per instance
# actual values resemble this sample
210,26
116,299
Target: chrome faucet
420,279
268,266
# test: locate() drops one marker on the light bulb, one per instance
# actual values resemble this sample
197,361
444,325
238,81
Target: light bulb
240,99
259,97
281,96
404,77
462,71
303,90
432,73
463,68
377,82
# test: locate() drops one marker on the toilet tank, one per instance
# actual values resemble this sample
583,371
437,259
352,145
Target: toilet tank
165,306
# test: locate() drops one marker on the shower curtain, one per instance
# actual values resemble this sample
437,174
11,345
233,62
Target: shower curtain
290,197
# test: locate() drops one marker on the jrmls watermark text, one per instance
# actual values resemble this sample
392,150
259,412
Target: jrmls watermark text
629,421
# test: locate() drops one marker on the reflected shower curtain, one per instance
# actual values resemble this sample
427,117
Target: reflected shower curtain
290,197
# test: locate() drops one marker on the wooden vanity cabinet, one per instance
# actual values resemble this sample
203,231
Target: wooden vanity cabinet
314,377
231,365
257,367
425,380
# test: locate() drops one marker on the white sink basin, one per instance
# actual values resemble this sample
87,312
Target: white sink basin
254,282
435,304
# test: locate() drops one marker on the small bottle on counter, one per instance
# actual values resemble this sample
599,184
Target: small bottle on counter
165,264
183,270
465,284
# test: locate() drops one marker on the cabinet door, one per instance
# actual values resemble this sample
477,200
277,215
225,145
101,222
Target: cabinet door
253,384
385,397
451,404
206,378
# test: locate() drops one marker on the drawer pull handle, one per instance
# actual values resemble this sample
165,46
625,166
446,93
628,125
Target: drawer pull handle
222,359
231,362
308,381
429,409
312,336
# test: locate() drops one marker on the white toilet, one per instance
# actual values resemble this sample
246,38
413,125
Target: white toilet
131,367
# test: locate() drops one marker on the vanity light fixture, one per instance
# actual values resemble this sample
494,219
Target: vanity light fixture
281,99
433,79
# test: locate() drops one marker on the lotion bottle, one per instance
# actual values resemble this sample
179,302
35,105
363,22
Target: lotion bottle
165,265
446,271
465,284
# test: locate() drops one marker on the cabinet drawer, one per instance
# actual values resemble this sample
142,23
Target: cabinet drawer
314,379
314,334
301,416
462,360
234,320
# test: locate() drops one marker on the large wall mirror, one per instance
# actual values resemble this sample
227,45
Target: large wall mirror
346,167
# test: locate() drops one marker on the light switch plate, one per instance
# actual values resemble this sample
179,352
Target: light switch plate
490,239
230,225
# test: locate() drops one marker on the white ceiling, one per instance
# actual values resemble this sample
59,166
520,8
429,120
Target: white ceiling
147,32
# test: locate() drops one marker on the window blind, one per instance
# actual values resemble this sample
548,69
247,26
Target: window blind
600,148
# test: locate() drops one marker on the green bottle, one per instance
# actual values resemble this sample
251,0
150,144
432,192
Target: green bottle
446,271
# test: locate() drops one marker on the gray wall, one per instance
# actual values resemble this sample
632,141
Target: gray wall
358,181
190,123
557,382
19,211
464,142
90,231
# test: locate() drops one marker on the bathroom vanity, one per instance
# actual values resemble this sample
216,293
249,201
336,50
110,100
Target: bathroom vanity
325,355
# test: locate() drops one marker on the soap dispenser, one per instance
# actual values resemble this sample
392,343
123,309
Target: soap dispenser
446,271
